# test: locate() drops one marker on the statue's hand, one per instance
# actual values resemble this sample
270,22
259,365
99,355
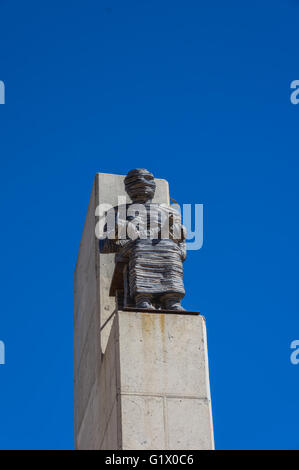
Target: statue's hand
184,232
182,246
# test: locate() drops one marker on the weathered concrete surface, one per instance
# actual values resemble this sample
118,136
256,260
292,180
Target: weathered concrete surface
153,388
101,425
87,345
92,307
165,391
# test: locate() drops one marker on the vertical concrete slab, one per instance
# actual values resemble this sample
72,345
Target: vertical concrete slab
92,308
108,188
87,346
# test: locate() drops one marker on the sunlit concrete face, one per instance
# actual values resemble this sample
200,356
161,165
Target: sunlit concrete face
164,392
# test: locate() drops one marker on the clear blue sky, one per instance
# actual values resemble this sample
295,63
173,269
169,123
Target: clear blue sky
198,93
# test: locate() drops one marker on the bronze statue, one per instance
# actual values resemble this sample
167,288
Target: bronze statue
148,272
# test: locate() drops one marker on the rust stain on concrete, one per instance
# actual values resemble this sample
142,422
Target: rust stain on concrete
162,323
146,323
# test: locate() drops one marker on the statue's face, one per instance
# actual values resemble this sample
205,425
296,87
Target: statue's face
140,186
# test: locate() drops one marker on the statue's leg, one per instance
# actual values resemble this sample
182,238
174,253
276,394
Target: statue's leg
144,301
172,301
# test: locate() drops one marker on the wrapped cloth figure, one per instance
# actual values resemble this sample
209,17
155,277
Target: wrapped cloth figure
149,242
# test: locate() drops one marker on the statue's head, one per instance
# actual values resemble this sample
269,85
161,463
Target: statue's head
140,185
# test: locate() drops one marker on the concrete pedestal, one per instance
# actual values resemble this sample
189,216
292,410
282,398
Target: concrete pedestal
164,384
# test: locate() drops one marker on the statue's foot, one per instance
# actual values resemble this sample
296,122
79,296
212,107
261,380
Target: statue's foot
144,302
173,303
176,306
146,305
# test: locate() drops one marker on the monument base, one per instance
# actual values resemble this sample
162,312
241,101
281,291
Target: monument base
153,390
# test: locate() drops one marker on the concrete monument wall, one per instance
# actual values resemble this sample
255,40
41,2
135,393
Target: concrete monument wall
141,379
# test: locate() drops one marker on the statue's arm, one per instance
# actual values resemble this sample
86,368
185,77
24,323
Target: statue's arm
114,241
178,232
182,247
108,246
